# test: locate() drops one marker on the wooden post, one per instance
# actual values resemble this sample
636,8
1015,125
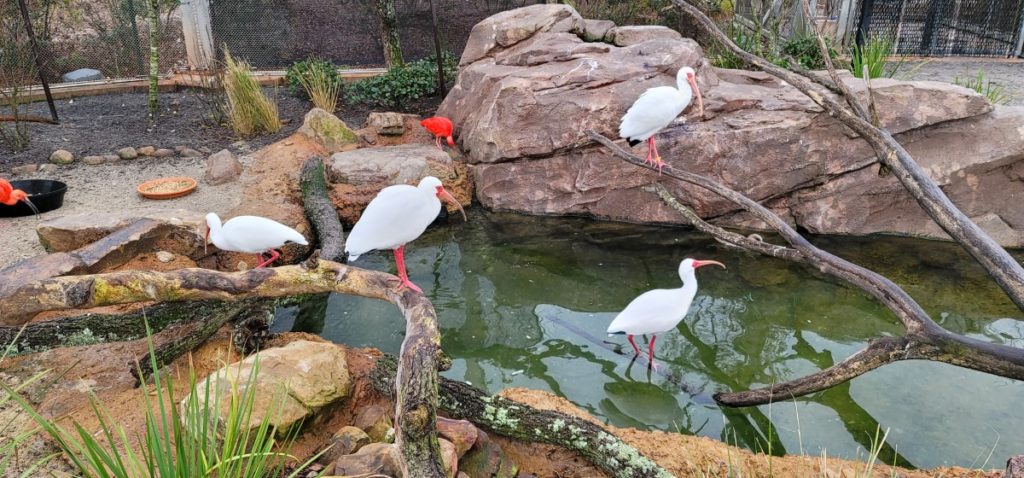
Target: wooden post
195,23
38,58
437,51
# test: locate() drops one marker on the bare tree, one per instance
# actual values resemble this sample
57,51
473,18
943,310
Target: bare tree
389,33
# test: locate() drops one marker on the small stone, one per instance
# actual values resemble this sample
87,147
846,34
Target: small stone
48,168
345,441
449,456
62,156
164,256
147,150
189,153
240,145
162,153
179,148
375,458
175,221
94,160
127,153
205,150
387,124
25,169
222,167
461,433
111,157
374,421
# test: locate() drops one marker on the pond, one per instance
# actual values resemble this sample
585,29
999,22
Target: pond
524,302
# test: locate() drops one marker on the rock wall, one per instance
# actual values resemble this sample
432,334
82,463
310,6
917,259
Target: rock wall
530,85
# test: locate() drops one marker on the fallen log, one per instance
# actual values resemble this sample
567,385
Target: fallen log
523,422
320,210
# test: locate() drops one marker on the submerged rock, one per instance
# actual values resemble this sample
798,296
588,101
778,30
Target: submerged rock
530,87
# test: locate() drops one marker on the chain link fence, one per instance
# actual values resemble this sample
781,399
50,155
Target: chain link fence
945,27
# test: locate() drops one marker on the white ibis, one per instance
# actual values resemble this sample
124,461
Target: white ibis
659,310
655,109
251,234
396,217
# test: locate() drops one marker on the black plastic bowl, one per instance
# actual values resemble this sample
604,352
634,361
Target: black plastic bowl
46,194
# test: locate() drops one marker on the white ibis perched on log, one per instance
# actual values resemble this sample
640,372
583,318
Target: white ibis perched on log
251,234
656,108
397,216
659,310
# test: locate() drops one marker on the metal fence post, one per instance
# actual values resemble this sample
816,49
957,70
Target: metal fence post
864,25
195,25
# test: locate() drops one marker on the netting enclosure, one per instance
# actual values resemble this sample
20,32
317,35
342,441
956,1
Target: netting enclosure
946,27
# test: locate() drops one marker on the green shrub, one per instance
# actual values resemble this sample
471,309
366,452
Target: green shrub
402,84
874,55
807,53
309,68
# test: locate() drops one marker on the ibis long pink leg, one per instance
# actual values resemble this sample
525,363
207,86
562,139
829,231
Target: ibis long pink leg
633,343
657,157
273,257
402,275
650,348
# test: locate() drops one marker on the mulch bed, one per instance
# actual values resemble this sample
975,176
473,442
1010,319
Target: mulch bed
98,125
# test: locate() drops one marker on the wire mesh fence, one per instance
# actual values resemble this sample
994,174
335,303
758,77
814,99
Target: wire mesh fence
945,27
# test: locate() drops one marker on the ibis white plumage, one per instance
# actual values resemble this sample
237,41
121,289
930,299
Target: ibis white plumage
659,310
656,108
397,216
251,234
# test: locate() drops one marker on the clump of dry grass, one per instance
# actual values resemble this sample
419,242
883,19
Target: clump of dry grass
322,84
249,110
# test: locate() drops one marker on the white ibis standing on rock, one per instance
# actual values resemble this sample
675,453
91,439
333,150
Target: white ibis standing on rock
659,310
396,217
655,109
251,234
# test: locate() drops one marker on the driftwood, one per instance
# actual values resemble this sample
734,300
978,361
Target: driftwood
321,211
1007,272
523,422
421,350
924,339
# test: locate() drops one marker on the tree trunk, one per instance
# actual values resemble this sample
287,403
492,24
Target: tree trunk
389,33
320,210
153,15
523,422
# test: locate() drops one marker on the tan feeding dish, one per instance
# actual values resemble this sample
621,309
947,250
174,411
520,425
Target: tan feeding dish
167,188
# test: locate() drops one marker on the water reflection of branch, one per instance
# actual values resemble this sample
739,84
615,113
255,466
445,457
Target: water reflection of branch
924,339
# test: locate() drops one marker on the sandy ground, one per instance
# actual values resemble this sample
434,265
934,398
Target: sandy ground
111,187
1008,73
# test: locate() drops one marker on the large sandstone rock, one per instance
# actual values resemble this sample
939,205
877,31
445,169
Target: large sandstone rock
522,110
292,382
358,175
67,233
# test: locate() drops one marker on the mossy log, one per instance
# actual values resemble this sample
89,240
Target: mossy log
321,211
421,350
523,422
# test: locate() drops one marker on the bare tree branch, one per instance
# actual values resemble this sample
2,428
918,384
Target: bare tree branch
997,262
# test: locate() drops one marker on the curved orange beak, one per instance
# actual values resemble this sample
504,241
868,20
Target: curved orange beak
446,196
697,264
20,195
696,89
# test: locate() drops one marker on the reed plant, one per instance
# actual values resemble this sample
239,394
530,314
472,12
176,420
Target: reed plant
248,108
322,84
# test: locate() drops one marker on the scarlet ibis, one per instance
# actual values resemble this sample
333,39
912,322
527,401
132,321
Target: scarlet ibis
251,234
396,217
655,109
10,196
440,127
659,310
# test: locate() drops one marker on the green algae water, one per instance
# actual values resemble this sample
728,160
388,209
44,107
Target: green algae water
524,302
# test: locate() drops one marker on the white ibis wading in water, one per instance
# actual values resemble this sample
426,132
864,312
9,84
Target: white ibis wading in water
659,310
251,234
656,108
396,217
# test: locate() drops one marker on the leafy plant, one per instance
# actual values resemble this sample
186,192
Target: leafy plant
995,92
401,84
318,79
186,443
807,53
248,109
874,55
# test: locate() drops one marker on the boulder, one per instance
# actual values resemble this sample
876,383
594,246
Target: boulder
510,27
358,175
522,111
222,167
345,441
461,433
127,153
637,34
387,124
292,382
62,156
82,74
487,460
1015,467
329,131
372,459
596,30
67,233
449,456
375,421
